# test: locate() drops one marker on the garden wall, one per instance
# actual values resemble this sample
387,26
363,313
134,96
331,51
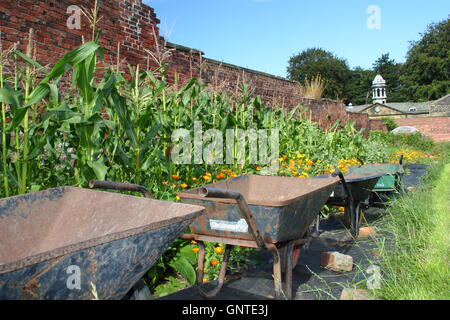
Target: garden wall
438,128
134,26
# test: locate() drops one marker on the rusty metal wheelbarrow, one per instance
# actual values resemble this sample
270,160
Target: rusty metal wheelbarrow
352,193
389,184
272,213
62,243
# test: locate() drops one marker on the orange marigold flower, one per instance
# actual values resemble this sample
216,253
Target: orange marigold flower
214,262
175,176
164,183
196,250
184,185
206,178
218,249
220,176
194,179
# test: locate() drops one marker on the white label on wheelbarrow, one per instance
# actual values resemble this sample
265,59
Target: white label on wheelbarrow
237,226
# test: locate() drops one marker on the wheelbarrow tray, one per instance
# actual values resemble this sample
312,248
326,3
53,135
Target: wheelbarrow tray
391,179
360,186
48,239
282,207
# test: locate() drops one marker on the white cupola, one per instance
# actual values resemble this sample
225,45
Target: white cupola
379,92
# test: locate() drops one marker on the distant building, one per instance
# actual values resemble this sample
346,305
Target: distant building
381,108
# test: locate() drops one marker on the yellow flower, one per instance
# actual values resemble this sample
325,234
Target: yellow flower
177,198
218,249
206,178
164,183
194,179
184,185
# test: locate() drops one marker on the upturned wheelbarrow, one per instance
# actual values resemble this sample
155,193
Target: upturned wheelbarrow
272,213
72,243
353,193
389,184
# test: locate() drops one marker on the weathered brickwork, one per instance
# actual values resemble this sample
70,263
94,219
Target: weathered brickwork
437,128
129,32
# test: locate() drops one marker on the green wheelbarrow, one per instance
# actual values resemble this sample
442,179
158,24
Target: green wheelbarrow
389,185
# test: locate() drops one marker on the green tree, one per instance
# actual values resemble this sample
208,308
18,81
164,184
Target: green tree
359,88
426,73
308,63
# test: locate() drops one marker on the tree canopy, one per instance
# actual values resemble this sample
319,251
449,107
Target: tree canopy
424,76
314,61
426,72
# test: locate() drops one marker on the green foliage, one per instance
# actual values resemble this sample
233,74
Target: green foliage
359,90
311,62
415,261
415,140
109,128
423,77
426,73
174,270
390,123
171,286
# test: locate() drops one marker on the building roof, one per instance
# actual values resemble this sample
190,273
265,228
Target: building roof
402,107
444,101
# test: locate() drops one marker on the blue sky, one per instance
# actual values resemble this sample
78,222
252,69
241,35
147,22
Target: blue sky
264,34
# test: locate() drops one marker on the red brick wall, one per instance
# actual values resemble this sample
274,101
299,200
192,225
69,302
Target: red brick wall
273,90
135,26
376,124
437,128
129,22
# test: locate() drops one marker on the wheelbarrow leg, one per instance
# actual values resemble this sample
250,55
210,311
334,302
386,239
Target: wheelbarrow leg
289,267
201,269
276,271
355,213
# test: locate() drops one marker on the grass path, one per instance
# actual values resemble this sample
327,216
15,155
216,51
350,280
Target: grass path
418,265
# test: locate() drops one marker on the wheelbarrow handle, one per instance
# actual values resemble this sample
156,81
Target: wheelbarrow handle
344,184
401,159
96,184
243,206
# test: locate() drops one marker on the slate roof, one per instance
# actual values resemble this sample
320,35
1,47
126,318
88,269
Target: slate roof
444,101
402,107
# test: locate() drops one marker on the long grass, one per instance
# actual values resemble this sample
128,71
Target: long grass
416,262
313,88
